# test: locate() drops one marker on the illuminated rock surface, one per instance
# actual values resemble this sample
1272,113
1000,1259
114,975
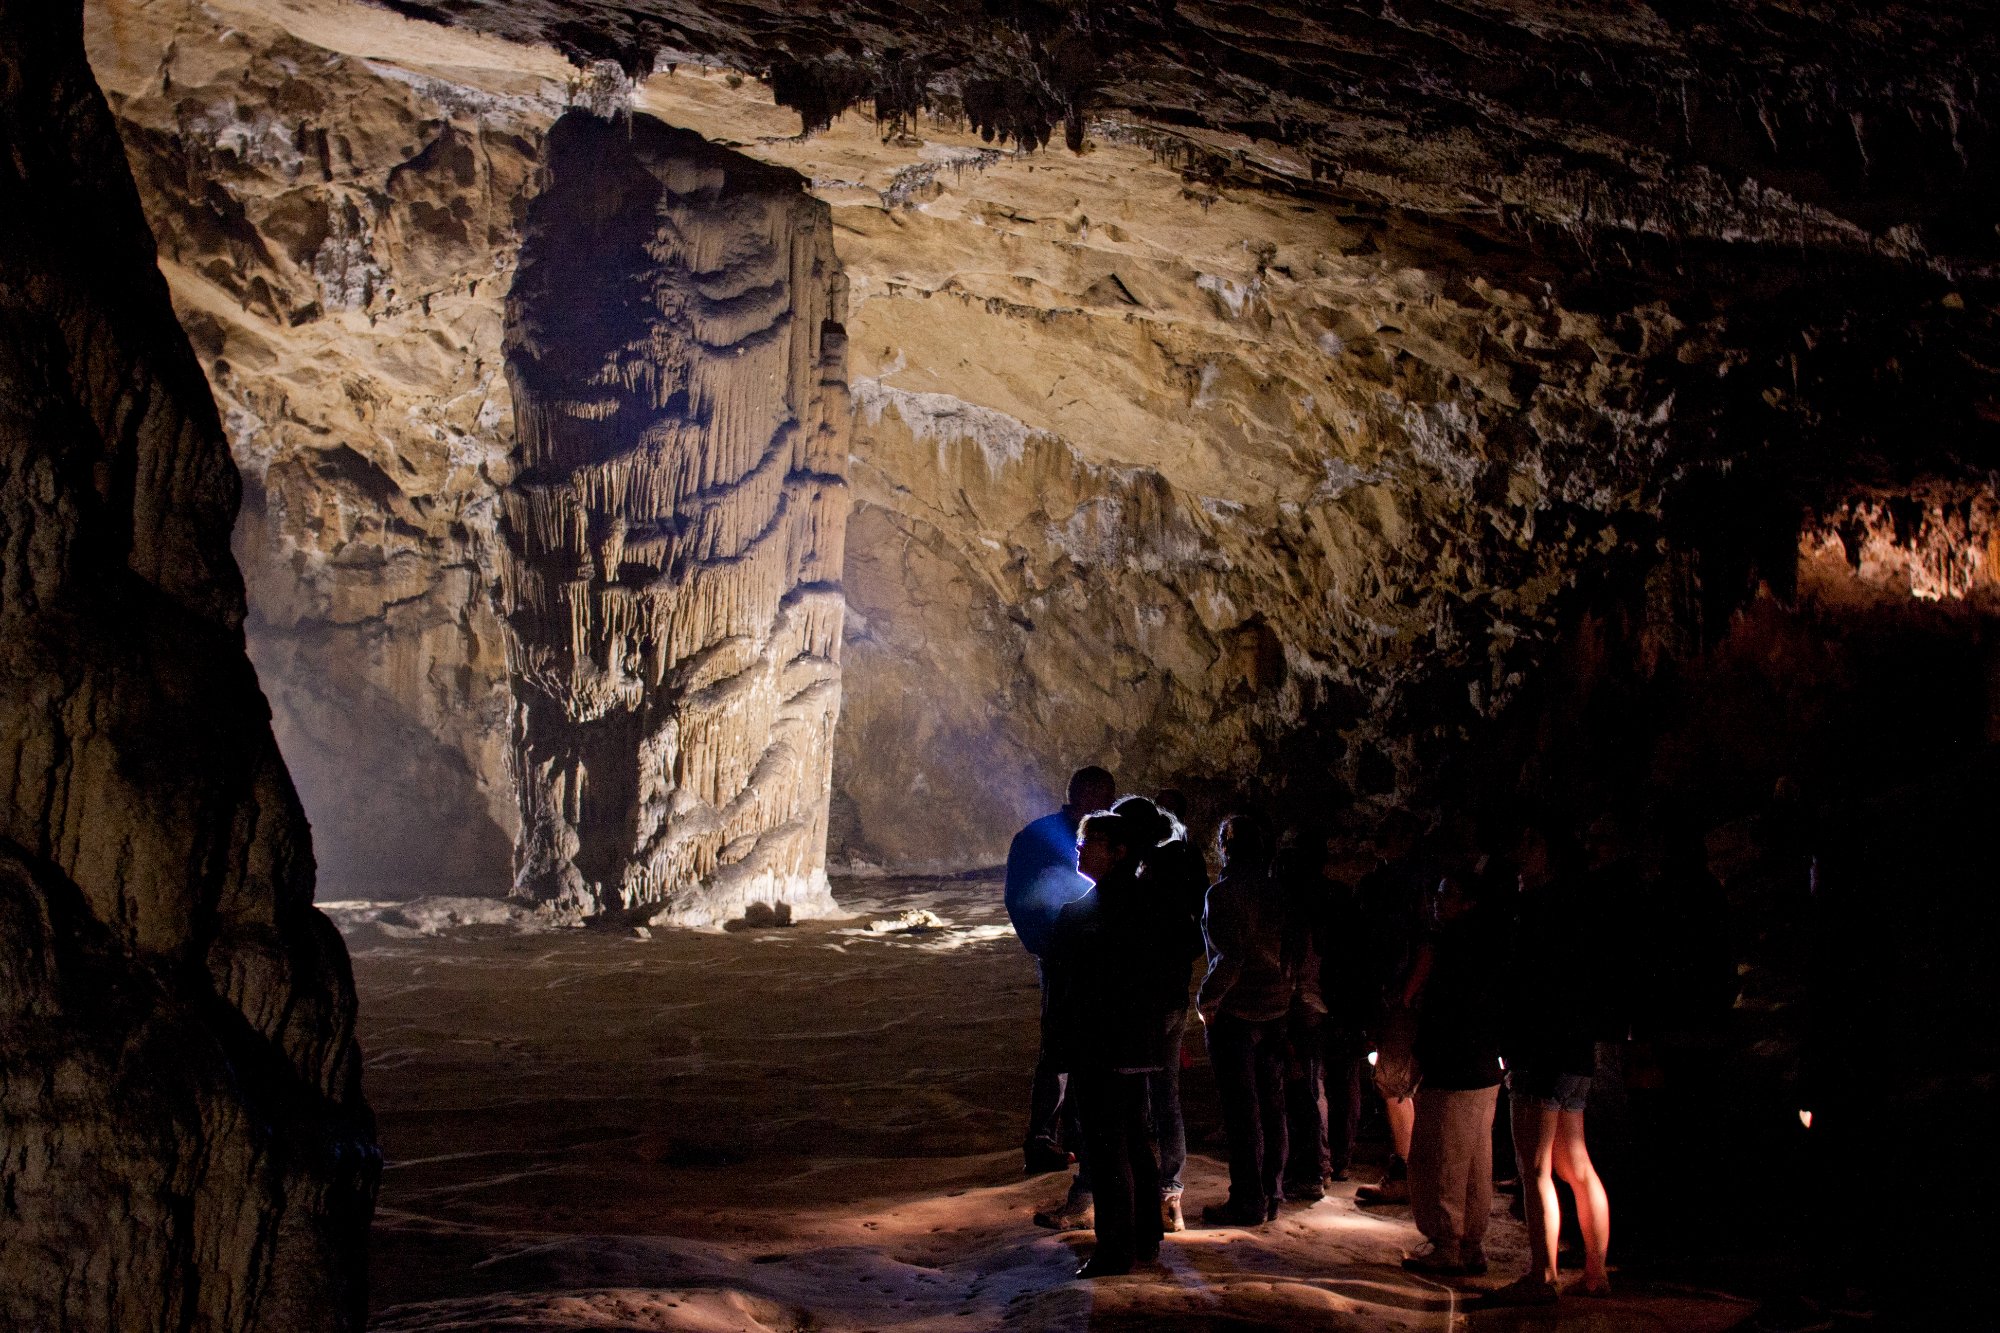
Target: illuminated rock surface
1420,404
183,1143
674,527
1241,449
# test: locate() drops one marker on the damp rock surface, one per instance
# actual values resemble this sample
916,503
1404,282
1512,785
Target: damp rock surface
183,1140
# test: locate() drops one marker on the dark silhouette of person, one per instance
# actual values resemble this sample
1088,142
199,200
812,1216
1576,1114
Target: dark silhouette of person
1347,986
1243,1001
1556,1008
1041,879
1175,877
1327,1039
1116,973
1395,909
1682,982
1456,984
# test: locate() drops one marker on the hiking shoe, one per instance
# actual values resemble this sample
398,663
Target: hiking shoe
1224,1215
1473,1261
1522,1291
1068,1217
1433,1262
1388,1191
1305,1192
1172,1220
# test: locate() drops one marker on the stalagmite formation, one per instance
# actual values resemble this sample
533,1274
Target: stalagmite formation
675,528
183,1143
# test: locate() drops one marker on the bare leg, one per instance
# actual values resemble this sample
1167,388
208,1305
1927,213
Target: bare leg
1593,1207
1535,1130
1402,1119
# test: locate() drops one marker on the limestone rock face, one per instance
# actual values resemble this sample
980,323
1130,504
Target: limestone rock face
1255,454
183,1142
674,527
339,238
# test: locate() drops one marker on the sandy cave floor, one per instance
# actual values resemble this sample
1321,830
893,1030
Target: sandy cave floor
813,1127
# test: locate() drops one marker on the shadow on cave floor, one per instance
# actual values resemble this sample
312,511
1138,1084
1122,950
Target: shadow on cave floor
807,1127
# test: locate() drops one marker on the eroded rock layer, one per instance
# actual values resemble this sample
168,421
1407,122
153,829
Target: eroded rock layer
183,1142
674,529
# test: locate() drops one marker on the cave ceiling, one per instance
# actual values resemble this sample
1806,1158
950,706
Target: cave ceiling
1837,125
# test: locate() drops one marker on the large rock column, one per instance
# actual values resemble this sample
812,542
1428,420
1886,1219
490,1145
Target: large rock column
675,530
183,1143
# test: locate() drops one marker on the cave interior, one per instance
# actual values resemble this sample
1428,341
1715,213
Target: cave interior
595,498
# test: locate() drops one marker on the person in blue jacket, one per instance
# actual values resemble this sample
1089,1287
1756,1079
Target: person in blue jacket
1042,879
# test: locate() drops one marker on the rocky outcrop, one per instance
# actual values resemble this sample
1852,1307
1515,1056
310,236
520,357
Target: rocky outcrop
183,1142
674,528
1612,129
1938,544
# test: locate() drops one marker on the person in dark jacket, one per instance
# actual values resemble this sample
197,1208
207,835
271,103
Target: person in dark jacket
1175,877
1347,987
1117,977
1299,875
1041,878
1243,1001
1394,902
1456,983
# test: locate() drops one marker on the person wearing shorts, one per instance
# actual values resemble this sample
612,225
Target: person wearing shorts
1551,1057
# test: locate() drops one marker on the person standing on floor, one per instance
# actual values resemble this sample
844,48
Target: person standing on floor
1042,878
1175,877
1455,985
1349,991
1243,1001
1551,1058
1395,912
1305,1024
1116,975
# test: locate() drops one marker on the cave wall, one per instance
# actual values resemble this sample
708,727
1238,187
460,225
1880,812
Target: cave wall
339,237
1147,472
1205,508
183,1140
674,528
1192,452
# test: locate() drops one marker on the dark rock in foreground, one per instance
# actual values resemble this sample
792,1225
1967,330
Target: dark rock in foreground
183,1142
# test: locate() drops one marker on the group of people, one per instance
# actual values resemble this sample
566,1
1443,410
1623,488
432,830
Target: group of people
1451,985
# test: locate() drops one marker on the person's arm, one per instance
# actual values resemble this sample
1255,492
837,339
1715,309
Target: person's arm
1419,973
1221,926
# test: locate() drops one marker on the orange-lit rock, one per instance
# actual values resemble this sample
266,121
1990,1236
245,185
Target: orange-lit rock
1940,544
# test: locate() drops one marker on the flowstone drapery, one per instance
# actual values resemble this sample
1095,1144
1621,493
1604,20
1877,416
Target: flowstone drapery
674,533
